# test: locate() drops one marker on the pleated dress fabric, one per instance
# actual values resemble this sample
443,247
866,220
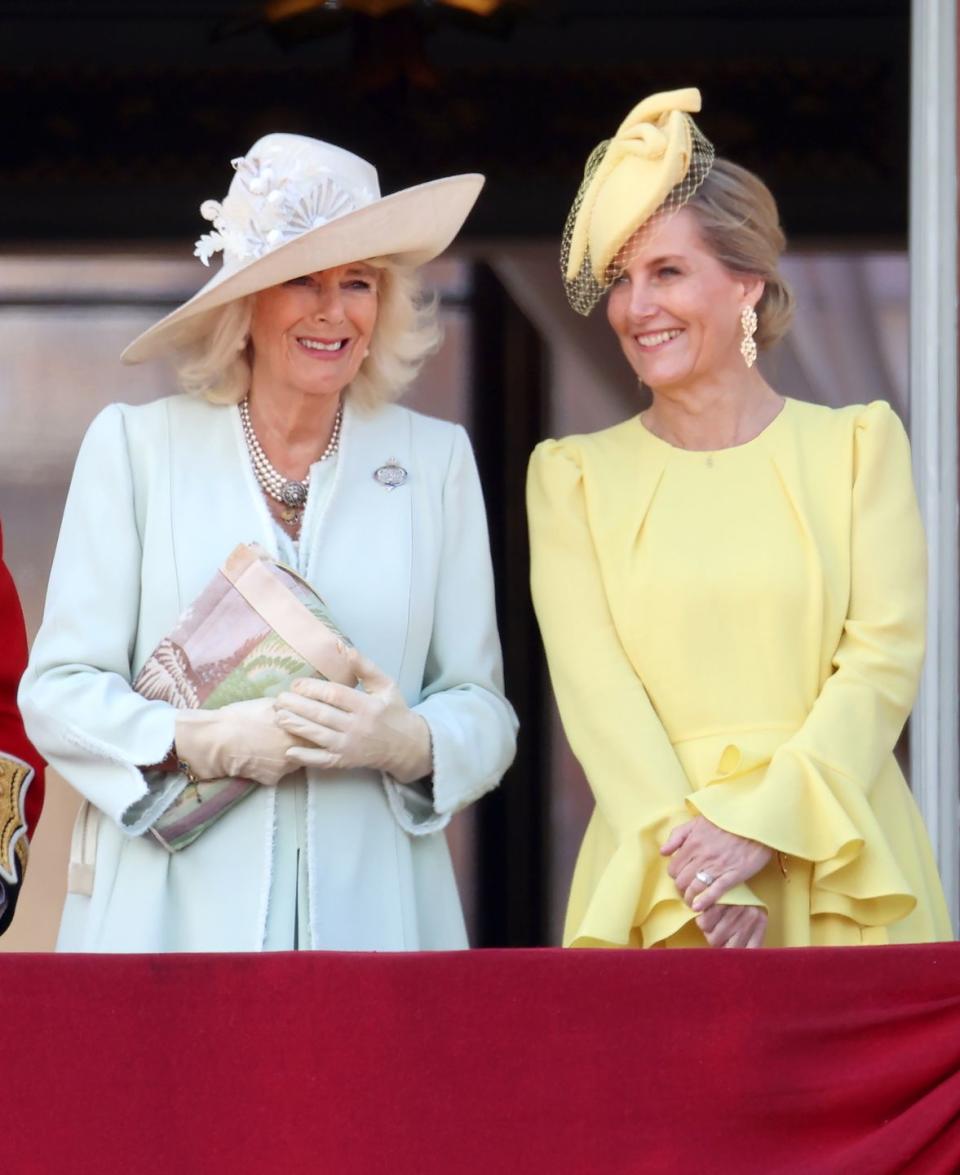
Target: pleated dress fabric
740,634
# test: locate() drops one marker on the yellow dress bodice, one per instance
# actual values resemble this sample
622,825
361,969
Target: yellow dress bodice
740,634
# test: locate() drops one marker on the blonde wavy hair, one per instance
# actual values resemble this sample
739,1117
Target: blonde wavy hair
740,224
211,356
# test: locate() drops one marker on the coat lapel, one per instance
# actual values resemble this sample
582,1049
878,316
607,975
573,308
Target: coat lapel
359,547
209,466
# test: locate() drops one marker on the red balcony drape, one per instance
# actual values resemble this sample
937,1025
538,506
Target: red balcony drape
819,1061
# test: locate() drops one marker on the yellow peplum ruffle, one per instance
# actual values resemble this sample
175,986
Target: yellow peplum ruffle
761,788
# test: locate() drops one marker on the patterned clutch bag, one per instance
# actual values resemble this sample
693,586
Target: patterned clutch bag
254,629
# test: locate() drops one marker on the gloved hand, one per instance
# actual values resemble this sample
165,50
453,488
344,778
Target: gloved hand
347,727
243,739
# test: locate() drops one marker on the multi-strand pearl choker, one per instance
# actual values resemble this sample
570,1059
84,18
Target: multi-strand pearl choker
285,490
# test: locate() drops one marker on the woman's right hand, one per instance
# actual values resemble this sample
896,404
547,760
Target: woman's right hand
242,739
734,926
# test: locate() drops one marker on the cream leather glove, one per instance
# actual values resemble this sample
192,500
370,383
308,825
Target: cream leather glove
347,727
242,739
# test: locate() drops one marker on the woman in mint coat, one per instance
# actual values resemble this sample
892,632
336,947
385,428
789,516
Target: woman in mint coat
285,437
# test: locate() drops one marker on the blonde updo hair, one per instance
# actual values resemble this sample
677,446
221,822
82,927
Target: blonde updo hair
739,223
211,356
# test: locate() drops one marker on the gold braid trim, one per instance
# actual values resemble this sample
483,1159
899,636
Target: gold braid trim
15,778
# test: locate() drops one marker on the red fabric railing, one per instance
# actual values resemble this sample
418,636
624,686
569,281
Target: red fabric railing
786,1062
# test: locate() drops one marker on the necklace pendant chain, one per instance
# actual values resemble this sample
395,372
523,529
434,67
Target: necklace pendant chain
287,491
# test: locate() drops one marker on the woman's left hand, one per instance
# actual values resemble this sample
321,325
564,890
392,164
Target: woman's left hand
372,727
699,847
734,926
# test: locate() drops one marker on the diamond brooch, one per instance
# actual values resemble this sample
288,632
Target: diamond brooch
390,475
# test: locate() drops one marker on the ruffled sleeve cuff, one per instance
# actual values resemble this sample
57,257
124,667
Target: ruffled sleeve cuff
808,809
635,901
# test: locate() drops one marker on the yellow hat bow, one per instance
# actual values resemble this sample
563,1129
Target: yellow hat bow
644,161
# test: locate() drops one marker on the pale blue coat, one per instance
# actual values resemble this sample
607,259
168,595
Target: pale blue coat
160,495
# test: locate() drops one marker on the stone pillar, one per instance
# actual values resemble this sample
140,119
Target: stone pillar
935,755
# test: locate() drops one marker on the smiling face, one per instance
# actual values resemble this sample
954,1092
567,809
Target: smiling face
311,334
676,309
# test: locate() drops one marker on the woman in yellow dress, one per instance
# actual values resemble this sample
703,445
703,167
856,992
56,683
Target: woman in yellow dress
730,588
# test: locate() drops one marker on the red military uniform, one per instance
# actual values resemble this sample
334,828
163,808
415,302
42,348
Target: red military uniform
21,768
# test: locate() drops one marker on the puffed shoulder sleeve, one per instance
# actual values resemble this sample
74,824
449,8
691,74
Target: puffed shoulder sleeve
613,729
77,702
473,727
814,800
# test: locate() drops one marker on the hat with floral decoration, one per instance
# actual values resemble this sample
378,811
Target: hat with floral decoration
297,205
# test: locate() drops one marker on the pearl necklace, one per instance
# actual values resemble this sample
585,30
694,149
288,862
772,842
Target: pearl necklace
285,490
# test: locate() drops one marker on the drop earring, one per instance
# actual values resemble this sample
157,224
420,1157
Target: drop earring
748,344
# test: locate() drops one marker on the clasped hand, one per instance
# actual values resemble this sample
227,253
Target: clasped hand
340,727
700,847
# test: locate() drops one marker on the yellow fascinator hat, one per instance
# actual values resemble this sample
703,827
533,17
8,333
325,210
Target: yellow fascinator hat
654,163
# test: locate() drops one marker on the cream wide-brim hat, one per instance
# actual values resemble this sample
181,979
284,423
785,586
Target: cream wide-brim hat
298,205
